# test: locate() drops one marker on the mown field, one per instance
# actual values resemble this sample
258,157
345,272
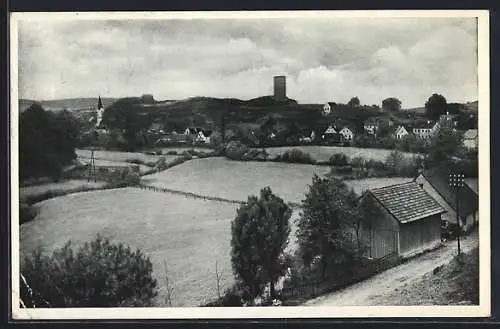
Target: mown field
236,180
189,234
323,153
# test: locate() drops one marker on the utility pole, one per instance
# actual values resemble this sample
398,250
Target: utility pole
457,182
92,170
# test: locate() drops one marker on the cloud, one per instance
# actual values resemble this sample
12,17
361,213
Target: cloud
324,60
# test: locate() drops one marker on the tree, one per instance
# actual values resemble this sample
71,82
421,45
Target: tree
47,142
260,233
122,115
98,274
328,208
354,101
391,104
435,106
444,146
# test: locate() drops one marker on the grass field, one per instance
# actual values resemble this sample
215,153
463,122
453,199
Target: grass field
116,155
68,185
236,180
323,153
189,234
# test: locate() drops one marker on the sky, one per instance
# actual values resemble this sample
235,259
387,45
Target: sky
324,59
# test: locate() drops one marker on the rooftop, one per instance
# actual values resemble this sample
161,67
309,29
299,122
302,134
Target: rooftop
407,202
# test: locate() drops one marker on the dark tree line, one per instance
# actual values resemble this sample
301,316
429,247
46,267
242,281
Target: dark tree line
47,142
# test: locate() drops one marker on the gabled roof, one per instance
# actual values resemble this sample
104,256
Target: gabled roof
438,178
407,202
470,134
330,130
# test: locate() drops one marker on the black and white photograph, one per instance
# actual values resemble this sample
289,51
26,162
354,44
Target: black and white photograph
250,164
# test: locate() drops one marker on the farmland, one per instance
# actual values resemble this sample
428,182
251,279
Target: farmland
189,234
236,180
323,153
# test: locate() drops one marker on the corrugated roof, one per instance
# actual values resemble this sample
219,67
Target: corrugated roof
407,202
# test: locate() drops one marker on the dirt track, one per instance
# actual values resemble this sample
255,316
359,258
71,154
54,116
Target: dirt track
364,293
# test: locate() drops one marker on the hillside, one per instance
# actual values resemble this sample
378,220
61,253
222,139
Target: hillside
66,103
208,112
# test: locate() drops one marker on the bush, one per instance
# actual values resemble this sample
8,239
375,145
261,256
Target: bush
339,159
173,152
358,162
124,177
235,150
26,212
295,156
98,274
232,297
255,155
136,161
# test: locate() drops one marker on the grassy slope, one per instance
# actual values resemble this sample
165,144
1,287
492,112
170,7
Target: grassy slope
158,223
454,283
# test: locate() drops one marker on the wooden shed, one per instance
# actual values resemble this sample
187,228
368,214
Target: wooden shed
406,221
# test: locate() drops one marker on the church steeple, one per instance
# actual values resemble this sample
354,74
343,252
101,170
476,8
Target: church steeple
99,103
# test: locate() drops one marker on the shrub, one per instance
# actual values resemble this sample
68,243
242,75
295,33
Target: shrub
295,156
232,297
255,155
26,212
97,274
339,159
124,177
172,152
235,150
136,161
358,162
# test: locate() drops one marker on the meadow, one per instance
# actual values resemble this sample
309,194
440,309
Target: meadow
237,180
188,234
323,153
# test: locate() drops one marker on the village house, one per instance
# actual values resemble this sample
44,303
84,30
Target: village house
346,134
446,121
471,139
330,135
308,136
327,108
436,182
408,221
190,131
156,128
400,132
204,136
370,126
425,129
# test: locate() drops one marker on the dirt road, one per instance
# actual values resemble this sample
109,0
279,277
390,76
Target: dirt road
364,293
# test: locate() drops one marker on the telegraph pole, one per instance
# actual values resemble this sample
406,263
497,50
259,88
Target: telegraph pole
92,170
457,182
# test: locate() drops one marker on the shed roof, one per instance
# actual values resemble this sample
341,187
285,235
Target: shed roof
407,202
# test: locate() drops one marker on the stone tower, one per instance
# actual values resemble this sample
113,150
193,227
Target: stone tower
280,88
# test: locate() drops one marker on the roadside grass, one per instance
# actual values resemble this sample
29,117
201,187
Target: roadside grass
456,283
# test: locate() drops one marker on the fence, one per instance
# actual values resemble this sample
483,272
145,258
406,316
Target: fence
316,288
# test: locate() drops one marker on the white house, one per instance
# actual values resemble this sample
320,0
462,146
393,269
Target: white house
400,132
470,139
426,129
204,136
327,109
347,134
329,130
